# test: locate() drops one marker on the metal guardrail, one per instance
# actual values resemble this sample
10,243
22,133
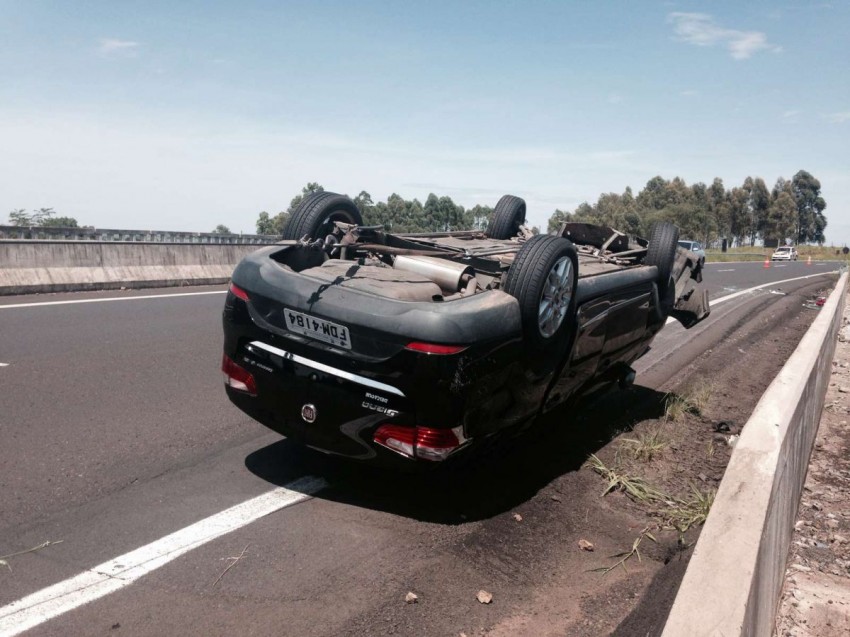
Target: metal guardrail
42,233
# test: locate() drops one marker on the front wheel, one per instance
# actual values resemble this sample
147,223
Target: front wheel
543,278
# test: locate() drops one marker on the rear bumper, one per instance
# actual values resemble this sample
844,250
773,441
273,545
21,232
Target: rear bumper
334,400
354,439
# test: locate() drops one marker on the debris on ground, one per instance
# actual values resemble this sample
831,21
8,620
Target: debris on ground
584,545
484,597
233,561
4,559
411,598
517,517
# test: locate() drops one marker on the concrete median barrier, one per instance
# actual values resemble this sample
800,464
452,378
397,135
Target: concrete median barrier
733,581
61,266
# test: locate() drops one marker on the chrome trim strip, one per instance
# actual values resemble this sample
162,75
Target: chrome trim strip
355,378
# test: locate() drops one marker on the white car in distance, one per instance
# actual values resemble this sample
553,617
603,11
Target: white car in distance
784,253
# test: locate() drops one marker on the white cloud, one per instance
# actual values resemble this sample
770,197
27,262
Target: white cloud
838,118
689,93
790,114
615,98
700,29
112,46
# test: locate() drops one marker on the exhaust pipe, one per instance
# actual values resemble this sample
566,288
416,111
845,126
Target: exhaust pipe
447,274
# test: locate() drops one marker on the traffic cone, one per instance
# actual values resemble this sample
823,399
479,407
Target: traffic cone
809,260
767,263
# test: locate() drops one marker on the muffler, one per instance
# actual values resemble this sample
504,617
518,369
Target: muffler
447,274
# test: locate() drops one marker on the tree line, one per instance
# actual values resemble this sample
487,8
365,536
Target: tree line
396,214
792,210
42,217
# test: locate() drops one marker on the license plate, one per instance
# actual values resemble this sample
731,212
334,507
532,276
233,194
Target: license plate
318,328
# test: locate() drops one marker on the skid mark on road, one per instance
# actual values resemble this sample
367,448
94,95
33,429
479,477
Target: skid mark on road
122,571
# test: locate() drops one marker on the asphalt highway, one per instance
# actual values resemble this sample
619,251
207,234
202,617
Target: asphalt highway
115,432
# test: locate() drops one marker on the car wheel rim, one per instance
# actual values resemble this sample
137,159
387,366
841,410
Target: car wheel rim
556,297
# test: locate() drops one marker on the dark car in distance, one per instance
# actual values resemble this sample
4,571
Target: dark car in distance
414,348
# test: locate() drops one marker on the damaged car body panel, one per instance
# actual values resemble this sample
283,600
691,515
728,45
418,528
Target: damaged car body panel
412,348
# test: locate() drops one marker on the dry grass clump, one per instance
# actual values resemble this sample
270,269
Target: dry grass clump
692,511
634,486
693,400
647,445
625,556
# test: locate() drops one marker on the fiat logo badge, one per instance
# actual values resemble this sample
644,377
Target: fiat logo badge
308,413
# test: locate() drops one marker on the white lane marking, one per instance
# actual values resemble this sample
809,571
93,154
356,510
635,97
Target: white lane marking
734,295
729,270
729,297
114,575
784,265
4,364
112,298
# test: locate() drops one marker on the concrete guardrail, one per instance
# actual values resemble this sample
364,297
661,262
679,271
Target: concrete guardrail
734,578
62,266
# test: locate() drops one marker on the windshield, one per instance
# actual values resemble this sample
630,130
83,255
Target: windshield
783,249
687,245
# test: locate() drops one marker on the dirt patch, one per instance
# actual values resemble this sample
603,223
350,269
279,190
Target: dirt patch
816,596
521,524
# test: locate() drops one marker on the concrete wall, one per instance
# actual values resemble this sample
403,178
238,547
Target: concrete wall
58,266
734,579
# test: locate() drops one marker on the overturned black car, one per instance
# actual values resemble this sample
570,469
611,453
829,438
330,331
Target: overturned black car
409,348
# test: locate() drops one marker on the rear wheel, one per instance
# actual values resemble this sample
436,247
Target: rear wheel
315,215
543,279
663,241
508,216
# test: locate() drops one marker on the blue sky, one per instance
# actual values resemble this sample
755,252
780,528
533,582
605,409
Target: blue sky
181,116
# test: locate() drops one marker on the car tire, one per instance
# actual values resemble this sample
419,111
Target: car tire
508,216
315,215
543,278
663,241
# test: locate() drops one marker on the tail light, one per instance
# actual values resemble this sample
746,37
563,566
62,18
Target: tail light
236,377
434,348
238,292
420,442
